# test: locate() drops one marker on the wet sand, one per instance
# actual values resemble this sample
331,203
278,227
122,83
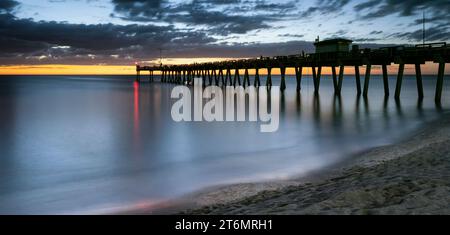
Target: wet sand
410,177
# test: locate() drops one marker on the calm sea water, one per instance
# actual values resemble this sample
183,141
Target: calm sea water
90,144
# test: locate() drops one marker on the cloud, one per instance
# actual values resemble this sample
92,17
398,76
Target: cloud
7,5
380,8
436,12
437,33
25,38
366,5
376,32
220,17
324,7
332,5
291,35
24,41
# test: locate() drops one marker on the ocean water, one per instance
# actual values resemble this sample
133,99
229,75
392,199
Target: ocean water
94,144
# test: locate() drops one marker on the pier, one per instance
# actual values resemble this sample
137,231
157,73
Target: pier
333,53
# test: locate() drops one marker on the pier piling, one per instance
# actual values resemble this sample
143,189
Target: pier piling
366,80
358,80
283,78
203,76
246,78
188,76
316,78
398,87
222,79
138,76
298,75
269,78
257,82
209,76
174,76
385,80
237,78
419,81
335,83
341,78
228,77
216,78
440,82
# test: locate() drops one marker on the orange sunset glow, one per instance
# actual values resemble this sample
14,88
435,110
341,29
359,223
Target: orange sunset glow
56,69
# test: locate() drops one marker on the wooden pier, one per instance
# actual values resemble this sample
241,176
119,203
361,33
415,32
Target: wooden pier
220,73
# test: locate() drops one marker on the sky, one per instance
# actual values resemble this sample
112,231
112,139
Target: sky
80,34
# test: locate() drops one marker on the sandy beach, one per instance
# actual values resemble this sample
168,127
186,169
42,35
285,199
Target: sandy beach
409,177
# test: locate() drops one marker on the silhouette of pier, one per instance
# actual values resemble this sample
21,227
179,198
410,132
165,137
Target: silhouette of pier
330,53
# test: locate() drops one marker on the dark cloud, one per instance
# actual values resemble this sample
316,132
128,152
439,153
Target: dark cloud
25,38
359,40
324,7
376,32
137,10
437,33
91,37
332,5
30,42
437,16
381,8
24,41
219,16
7,5
367,5
291,35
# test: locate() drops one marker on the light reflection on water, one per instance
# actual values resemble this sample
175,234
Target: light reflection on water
78,144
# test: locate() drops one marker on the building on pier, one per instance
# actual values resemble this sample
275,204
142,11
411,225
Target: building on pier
333,45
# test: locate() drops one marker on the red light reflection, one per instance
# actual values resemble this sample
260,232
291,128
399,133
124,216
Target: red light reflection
136,118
